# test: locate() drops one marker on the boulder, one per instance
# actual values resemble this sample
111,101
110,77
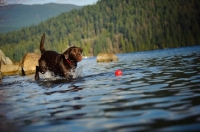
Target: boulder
106,57
9,69
6,66
29,62
0,72
4,60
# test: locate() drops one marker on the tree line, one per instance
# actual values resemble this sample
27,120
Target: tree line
118,26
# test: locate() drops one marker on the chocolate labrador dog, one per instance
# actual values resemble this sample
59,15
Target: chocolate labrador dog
60,64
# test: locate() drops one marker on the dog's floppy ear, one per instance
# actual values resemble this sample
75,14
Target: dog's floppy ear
80,49
66,53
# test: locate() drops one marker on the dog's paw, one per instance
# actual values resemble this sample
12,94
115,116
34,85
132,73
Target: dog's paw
37,77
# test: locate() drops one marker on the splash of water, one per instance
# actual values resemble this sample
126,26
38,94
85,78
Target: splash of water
78,72
49,74
75,74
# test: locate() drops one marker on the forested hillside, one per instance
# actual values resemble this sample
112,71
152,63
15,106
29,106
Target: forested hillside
16,16
118,26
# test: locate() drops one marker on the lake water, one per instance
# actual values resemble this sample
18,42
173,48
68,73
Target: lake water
158,91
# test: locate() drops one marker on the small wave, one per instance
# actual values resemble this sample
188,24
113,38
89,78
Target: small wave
78,72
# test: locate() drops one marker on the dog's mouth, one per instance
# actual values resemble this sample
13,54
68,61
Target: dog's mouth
79,58
76,57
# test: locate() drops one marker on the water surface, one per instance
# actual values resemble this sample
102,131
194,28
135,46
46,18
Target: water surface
158,91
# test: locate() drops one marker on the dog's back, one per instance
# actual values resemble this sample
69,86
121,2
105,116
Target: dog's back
49,57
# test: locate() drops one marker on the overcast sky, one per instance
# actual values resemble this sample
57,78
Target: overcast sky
75,2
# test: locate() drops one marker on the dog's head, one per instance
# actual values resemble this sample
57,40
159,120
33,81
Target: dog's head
74,53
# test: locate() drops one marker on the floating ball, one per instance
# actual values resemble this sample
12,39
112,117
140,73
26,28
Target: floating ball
118,73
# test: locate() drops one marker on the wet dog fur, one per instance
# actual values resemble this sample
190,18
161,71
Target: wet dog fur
60,64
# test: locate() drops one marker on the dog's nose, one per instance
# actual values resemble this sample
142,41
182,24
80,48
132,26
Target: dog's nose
79,58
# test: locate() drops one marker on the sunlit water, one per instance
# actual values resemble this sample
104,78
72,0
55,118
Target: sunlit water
158,91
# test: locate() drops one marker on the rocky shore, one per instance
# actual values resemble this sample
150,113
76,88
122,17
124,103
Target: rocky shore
26,66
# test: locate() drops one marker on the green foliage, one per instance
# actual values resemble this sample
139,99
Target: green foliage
118,26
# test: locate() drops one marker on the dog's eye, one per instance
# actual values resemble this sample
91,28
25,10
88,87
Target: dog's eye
73,51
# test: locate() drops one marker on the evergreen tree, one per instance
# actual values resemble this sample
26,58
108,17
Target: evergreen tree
112,26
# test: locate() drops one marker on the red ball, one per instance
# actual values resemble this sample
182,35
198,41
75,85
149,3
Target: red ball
118,73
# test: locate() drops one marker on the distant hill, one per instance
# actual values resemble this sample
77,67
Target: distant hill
117,26
17,16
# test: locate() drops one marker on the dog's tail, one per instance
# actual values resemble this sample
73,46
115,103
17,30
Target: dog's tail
42,44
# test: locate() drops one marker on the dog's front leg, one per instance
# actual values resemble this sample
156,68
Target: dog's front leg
65,72
37,73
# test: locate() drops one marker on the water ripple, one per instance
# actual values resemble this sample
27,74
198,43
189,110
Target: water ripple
158,91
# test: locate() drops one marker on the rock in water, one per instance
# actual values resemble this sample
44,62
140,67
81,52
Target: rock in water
29,62
6,66
9,69
4,60
106,57
0,72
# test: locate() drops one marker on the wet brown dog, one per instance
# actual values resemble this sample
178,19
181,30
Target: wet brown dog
60,64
